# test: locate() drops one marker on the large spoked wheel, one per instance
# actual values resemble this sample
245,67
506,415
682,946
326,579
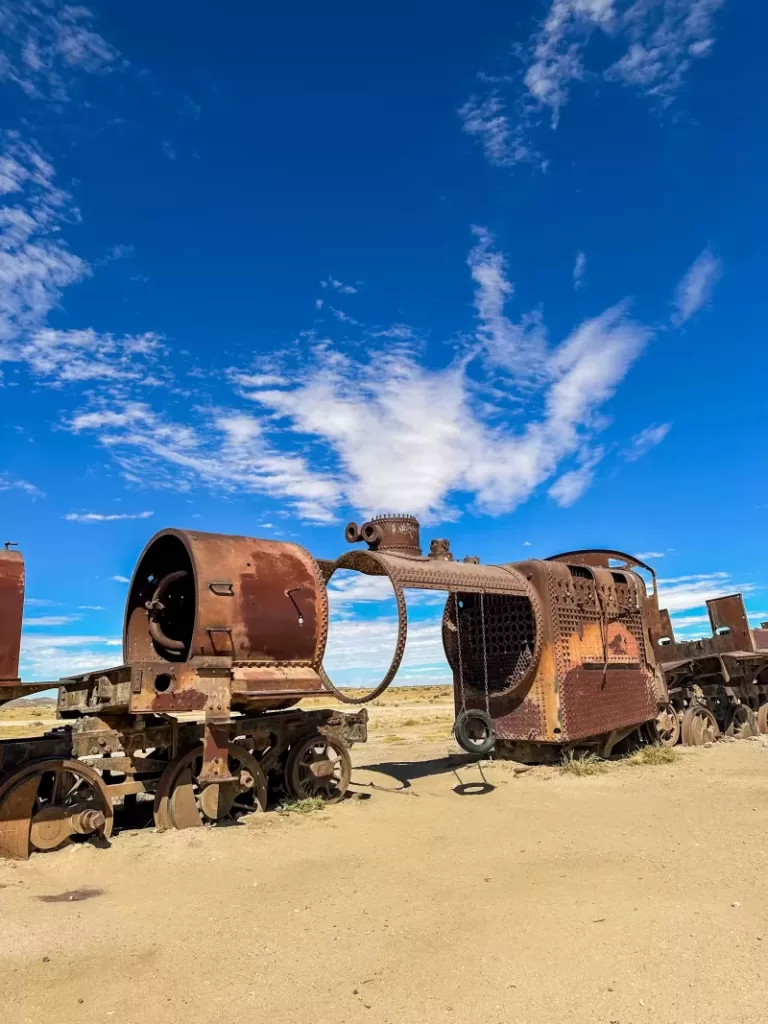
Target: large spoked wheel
181,801
668,726
699,726
318,766
762,718
741,722
49,803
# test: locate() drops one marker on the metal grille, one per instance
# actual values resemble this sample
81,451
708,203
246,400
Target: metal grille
510,640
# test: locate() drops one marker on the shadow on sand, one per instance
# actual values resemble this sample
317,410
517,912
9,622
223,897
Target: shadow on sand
398,776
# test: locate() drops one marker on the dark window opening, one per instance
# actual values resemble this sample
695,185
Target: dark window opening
580,571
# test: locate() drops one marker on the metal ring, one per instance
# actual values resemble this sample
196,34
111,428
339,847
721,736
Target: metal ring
402,631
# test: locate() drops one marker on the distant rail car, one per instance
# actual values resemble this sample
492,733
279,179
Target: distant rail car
717,684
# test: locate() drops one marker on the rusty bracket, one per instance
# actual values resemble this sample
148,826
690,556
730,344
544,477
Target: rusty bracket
215,754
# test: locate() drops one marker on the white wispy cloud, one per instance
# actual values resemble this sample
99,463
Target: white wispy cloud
695,289
683,593
50,620
344,317
35,264
90,607
579,270
46,42
394,433
231,452
646,439
121,579
567,490
360,649
646,556
46,657
517,347
338,286
101,517
75,356
665,38
347,588
659,40
487,119
401,332
10,483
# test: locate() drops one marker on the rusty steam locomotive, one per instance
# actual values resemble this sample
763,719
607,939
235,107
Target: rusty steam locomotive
224,636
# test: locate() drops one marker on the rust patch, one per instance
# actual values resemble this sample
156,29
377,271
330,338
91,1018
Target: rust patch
11,610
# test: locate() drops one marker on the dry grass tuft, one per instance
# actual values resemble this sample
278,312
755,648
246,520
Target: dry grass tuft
654,754
304,806
581,763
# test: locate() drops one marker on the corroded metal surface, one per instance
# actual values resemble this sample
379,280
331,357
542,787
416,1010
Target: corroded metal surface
437,572
396,534
556,651
256,601
591,674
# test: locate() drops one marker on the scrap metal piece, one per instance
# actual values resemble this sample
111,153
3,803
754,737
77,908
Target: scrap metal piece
11,611
418,573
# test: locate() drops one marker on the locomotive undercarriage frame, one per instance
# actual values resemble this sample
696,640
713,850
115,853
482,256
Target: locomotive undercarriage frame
66,784
738,704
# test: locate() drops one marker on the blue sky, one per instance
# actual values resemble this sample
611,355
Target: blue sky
262,273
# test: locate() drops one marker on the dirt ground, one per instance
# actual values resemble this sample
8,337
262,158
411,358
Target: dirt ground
634,895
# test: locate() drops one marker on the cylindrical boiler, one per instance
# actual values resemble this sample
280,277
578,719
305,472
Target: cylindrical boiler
207,595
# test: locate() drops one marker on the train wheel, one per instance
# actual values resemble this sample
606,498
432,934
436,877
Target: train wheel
741,722
762,718
318,765
182,802
48,803
668,726
699,726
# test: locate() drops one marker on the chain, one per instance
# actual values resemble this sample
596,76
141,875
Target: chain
485,654
458,645
603,631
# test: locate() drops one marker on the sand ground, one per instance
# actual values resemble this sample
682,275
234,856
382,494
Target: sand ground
630,896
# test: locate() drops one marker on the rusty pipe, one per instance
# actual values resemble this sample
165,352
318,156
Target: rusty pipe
155,608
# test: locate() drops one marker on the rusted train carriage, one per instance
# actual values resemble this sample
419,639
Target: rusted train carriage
717,684
545,654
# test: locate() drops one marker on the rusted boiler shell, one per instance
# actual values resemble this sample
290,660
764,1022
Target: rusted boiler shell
11,611
196,595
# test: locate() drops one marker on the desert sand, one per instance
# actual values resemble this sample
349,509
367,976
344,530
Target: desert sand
441,891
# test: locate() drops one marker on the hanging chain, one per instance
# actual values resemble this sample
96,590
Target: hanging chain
603,630
458,644
485,654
